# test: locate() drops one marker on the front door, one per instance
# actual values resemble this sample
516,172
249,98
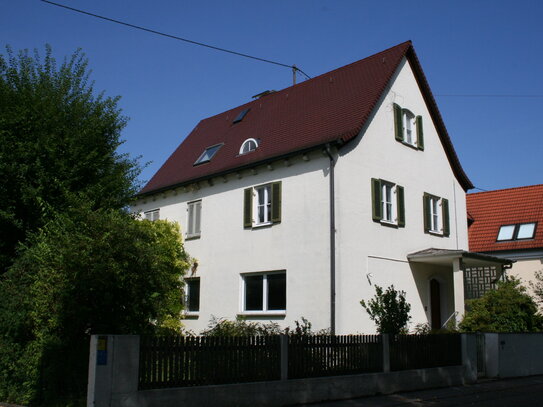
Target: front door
435,303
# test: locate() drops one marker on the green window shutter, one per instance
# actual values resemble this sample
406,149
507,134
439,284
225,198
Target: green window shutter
401,206
248,208
276,202
445,212
420,136
376,199
426,210
398,122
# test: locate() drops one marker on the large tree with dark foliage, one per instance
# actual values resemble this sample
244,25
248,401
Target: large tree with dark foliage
73,261
58,142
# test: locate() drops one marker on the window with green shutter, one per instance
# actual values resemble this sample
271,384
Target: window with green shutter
262,205
388,205
436,215
408,128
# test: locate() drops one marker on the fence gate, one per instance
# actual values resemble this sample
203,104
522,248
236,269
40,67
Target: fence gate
481,365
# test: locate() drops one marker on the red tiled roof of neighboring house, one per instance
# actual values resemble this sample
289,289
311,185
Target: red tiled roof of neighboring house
330,108
493,209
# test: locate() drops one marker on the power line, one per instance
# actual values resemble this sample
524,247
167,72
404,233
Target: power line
293,67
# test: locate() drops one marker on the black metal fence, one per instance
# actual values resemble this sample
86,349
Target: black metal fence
195,361
424,351
325,355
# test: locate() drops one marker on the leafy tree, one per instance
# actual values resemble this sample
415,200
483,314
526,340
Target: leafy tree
389,310
85,272
58,144
507,309
537,287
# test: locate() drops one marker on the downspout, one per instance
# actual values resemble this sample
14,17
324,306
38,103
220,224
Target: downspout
332,244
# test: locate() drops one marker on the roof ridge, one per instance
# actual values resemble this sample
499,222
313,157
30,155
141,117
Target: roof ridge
307,82
505,189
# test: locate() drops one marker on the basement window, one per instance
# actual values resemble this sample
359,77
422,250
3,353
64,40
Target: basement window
208,154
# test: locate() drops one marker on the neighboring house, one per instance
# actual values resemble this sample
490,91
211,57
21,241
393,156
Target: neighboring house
508,223
298,203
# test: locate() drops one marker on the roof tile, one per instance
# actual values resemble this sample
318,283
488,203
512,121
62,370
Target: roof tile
493,209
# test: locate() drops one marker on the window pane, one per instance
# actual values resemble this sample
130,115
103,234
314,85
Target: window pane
193,294
277,291
190,227
253,293
526,231
506,232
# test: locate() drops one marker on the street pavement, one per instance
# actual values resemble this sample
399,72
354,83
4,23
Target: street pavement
518,392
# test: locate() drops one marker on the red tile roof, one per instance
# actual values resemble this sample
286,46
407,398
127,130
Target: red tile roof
490,210
330,108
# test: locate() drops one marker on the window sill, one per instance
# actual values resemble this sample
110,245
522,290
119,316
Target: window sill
261,225
191,314
434,233
413,146
192,237
262,313
389,224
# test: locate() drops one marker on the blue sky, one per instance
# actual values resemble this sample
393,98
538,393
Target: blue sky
477,47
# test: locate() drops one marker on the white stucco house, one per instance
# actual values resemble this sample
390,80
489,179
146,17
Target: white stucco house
507,223
299,202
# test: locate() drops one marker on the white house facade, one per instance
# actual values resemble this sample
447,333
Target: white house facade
344,182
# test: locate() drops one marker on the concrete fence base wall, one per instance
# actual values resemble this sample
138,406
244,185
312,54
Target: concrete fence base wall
288,392
114,365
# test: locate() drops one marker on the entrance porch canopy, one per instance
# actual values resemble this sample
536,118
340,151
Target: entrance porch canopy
473,273
447,257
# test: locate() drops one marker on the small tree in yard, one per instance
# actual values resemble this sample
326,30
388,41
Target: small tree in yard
507,309
389,310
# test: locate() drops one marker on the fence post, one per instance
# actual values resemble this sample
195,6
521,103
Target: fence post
113,368
469,355
283,339
386,352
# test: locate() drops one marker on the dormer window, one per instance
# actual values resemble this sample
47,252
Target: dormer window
208,154
519,231
248,145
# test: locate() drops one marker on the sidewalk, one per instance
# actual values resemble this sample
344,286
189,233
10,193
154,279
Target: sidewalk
517,392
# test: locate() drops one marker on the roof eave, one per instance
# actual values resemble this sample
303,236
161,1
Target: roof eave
336,142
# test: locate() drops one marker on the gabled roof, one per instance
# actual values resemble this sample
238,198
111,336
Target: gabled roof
330,108
493,209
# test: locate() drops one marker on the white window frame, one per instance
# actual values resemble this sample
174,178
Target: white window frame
267,205
248,143
436,214
265,310
194,219
187,296
152,215
409,125
515,232
389,204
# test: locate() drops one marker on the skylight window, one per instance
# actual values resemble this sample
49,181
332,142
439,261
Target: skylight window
240,116
208,154
519,231
248,145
